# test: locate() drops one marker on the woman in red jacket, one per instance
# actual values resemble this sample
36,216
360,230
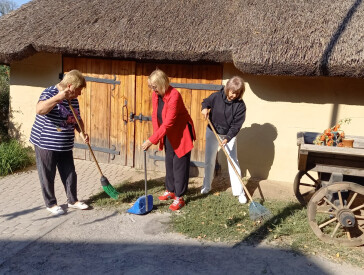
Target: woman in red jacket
174,131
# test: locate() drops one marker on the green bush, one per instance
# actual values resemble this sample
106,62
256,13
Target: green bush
4,101
13,157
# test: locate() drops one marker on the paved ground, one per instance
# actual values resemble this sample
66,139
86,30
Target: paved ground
105,242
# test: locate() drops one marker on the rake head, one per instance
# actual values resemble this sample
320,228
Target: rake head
258,212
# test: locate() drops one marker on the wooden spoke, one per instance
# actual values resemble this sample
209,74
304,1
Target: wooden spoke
336,228
340,198
361,229
308,175
329,202
358,208
352,199
328,222
309,192
348,234
359,217
308,184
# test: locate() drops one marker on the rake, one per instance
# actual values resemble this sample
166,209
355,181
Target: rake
108,188
256,210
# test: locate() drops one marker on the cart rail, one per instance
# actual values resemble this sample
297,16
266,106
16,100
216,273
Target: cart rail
330,159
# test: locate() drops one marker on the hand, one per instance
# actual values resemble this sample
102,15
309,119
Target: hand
205,112
85,137
146,145
64,94
224,142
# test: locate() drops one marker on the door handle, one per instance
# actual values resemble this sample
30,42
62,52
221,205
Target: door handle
125,106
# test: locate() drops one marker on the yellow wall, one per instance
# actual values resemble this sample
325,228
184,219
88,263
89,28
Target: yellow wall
28,78
279,107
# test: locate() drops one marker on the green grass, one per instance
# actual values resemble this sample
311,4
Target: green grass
14,157
219,217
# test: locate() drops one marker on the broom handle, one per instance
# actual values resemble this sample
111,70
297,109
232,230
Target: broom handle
229,159
83,133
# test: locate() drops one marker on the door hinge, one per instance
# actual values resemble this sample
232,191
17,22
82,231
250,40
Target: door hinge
133,117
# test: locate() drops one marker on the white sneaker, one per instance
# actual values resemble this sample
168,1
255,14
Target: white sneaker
78,205
242,198
56,210
205,190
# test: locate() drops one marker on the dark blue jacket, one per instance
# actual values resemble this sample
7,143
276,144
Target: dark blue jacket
226,116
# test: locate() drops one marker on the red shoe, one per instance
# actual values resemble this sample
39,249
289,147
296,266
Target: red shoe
177,204
167,196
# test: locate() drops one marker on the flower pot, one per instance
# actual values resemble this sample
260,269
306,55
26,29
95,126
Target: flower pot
348,142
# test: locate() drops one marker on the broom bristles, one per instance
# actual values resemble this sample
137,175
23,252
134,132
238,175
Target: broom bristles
258,212
111,191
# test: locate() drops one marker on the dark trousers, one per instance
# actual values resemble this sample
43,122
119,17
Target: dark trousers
47,163
177,170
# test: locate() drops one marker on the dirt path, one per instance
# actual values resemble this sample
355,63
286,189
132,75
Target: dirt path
106,242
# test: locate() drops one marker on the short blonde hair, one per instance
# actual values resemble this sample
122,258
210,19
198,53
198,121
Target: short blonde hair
237,85
159,79
75,78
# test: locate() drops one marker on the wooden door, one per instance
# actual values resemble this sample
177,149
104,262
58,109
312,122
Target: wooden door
105,105
210,76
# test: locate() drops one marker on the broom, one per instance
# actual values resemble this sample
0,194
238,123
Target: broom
108,188
256,210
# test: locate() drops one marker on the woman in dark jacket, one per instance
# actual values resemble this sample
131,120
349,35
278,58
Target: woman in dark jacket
173,129
226,110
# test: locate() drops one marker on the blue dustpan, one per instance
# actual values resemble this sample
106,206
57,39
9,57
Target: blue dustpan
140,206
143,204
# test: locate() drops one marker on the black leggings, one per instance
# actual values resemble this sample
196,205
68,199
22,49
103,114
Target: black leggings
177,169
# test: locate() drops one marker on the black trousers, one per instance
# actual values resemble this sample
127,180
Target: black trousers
177,170
47,163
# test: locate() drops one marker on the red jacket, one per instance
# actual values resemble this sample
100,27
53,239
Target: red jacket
175,118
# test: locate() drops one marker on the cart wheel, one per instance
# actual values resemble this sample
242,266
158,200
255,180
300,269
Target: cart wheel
339,221
305,185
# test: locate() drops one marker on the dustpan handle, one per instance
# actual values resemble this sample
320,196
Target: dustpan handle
145,180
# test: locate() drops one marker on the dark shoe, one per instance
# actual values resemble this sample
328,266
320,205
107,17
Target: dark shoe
177,204
167,196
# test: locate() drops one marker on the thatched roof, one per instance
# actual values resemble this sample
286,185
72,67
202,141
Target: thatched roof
276,37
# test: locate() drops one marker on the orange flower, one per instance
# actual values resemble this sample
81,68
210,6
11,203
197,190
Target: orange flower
327,131
330,142
340,144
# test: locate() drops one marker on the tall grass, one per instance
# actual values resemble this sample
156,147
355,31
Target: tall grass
13,157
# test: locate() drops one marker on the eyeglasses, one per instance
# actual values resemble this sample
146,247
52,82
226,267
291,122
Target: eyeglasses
152,87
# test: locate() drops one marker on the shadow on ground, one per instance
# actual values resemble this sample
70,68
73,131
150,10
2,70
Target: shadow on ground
42,257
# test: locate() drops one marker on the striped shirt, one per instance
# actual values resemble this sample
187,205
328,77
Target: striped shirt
55,131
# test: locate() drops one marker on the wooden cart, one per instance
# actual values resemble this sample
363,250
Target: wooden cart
330,181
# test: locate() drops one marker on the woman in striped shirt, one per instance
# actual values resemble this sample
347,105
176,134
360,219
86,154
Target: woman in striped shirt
53,138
